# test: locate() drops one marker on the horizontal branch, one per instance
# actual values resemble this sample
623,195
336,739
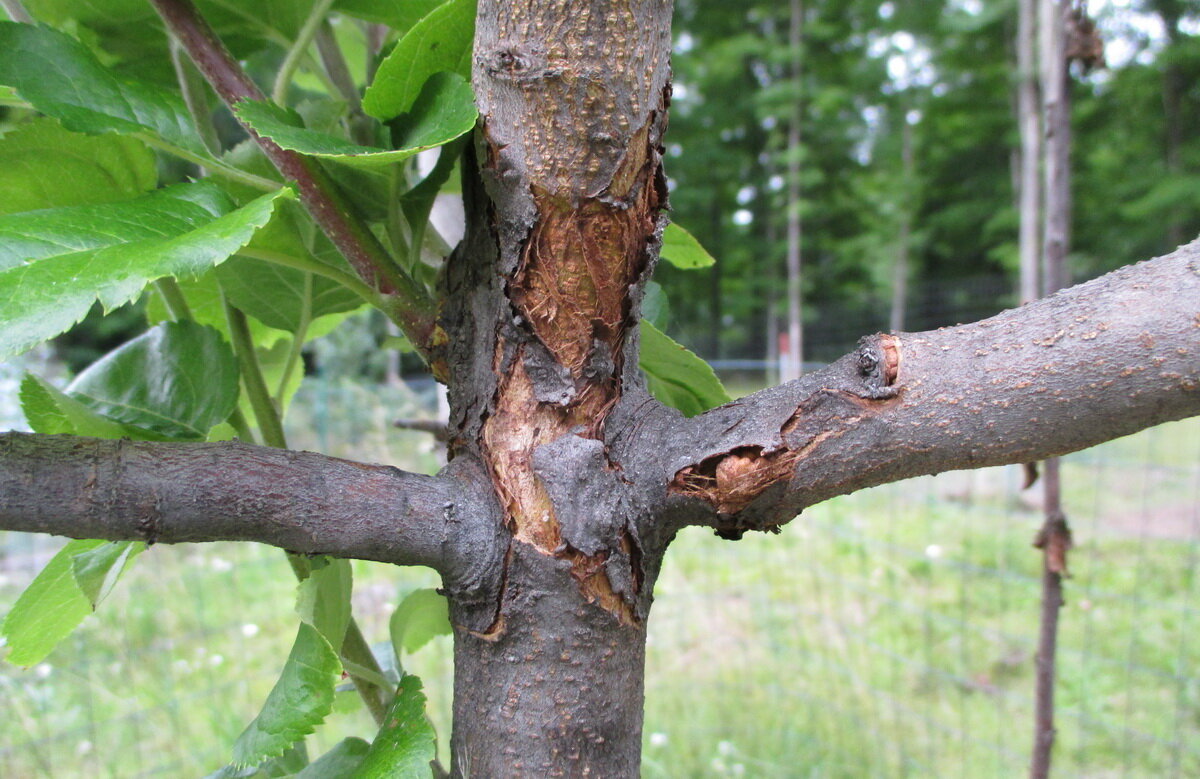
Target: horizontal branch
175,493
1094,362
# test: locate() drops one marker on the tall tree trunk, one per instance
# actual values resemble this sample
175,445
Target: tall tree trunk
714,280
1054,537
1173,88
795,355
900,269
1029,121
564,220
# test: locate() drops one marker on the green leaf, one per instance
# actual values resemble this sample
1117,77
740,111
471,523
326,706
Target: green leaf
677,377
421,616
34,235
60,77
174,382
203,296
40,408
406,744
656,309
400,15
341,762
444,110
682,250
323,598
41,299
278,296
50,410
441,41
96,570
43,165
49,609
300,700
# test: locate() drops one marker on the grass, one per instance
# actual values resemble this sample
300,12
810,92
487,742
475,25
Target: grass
888,633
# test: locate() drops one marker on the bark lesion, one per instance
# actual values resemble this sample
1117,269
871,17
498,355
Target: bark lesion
731,480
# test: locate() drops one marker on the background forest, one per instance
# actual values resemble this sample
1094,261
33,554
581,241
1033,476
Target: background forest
907,150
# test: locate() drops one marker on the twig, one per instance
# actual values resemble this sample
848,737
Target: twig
283,79
408,303
1054,539
16,11
439,430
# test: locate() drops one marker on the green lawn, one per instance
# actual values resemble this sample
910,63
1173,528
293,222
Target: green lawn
887,633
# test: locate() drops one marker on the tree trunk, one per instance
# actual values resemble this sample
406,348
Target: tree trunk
558,691
564,220
900,269
1054,537
795,344
1174,88
1029,121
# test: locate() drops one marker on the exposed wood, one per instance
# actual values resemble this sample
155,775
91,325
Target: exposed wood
1091,363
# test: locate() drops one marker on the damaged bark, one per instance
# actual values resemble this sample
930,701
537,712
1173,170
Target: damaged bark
567,481
564,223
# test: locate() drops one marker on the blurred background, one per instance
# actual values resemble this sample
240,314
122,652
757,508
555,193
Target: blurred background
889,633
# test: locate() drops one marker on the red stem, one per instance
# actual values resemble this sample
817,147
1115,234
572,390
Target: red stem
412,307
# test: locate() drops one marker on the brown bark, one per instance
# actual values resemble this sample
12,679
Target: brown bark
563,228
1091,363
567,481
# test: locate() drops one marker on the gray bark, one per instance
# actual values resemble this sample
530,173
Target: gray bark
1088,364
179,493
567,481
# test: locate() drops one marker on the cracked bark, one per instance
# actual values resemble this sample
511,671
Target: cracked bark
567,482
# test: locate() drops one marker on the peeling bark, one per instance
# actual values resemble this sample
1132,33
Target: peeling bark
1091,363
564,224
567,481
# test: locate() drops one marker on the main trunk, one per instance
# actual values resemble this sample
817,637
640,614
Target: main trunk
564,195
558,692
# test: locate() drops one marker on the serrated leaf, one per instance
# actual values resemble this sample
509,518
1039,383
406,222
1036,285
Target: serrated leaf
300,700
175,382
682,250
677,377
323,598
407,743
203,296
41,299
400,15
441,41
341,762
68,416
60,77
49,609
40,409
43,165
294,760
96,570
444,110
282,297
421,616
25,237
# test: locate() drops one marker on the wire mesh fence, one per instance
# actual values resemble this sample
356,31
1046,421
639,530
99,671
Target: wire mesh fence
888,633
